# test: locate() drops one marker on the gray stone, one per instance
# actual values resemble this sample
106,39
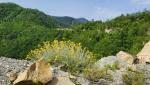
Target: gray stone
106,61
82,81
145,68
117,77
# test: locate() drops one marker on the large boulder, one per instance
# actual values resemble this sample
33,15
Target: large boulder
110,60
125,59
144,54
38,71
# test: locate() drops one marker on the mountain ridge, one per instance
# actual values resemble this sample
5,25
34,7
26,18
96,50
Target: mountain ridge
14,12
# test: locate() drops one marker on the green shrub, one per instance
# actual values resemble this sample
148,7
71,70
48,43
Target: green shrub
72,56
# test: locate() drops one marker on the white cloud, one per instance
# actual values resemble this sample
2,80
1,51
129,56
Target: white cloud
105,13
141,2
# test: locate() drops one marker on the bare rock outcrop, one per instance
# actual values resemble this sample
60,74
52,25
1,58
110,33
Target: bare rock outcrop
125,59
124,56
110,60
144,54
38,71
27,73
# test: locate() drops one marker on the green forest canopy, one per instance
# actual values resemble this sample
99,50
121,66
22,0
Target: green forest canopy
22,29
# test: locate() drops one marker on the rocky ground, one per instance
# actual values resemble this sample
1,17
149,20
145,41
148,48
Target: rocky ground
136,70
8,65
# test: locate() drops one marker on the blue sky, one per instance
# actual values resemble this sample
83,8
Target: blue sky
90,9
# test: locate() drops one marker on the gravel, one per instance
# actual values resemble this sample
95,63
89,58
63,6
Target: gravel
7,65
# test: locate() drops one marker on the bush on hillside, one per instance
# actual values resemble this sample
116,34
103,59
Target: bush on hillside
72,56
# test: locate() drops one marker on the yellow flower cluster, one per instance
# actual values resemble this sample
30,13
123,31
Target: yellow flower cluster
68,53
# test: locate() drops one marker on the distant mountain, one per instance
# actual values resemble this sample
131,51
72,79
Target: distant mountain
82,20
13,12
69,20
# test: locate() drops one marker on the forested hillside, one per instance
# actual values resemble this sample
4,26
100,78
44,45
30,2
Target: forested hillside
10,12
22,29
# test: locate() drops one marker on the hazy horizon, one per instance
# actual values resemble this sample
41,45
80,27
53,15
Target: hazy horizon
96,9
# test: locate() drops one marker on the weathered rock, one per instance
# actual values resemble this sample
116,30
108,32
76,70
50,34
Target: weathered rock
125,57
61,78
82,81
59,73
106,61
9,66
147,82
117,77
144,54
145,68
12,76
61,81
38,71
